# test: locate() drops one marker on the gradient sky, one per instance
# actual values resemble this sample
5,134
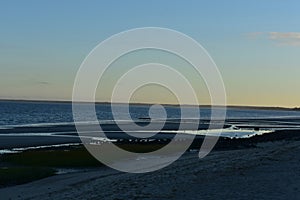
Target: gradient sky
255,44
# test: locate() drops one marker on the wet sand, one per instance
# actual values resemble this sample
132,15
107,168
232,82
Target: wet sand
19,137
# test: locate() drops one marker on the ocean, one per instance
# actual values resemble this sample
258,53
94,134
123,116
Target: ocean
26,113
32,124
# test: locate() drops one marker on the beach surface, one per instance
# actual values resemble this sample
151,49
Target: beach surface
269,171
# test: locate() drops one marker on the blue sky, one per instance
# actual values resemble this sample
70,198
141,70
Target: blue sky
256,44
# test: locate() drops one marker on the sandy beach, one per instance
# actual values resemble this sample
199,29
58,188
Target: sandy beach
269,171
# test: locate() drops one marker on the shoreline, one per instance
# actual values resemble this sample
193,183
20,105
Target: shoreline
17,142
22,137
64,140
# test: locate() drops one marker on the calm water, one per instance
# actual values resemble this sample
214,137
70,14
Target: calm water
33,113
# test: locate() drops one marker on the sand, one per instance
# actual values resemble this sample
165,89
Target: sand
270,171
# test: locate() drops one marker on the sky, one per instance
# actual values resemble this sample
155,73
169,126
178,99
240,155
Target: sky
255,44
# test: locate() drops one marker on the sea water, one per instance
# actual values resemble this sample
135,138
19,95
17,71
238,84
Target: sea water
25,113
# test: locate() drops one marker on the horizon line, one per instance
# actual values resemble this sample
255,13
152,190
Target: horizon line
145,103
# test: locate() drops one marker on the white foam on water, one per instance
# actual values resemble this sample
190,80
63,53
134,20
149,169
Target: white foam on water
230,132
45,146
7,151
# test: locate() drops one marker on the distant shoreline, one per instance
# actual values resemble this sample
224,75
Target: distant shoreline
148,104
